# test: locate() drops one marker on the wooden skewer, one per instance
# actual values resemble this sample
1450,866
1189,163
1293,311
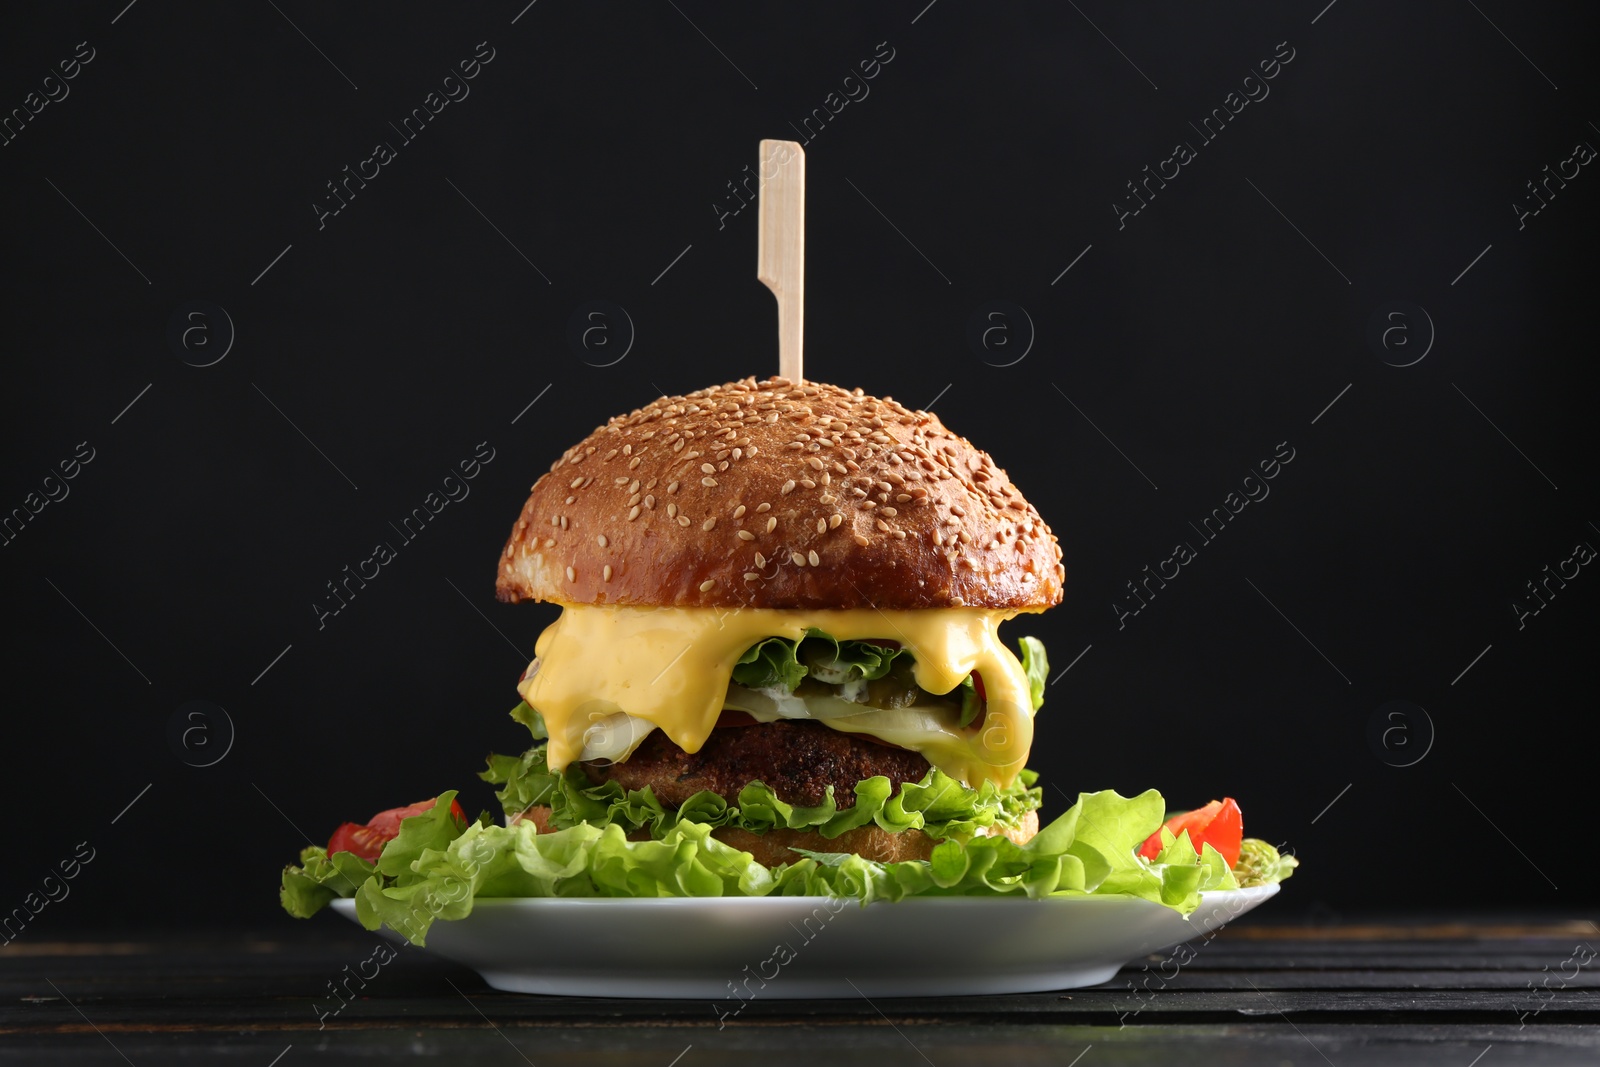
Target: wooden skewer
781,252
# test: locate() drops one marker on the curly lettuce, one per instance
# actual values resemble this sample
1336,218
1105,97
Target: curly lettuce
938,805
781,661
437,867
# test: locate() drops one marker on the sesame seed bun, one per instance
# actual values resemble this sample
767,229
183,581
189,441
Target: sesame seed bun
776,495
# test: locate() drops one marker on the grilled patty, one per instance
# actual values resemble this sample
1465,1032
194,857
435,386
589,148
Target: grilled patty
797,759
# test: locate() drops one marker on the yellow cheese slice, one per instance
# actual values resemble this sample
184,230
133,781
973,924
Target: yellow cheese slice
670,667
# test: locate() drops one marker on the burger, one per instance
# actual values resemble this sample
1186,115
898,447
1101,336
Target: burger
778,669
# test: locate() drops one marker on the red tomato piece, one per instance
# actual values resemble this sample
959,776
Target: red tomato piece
388,822
364,841
367,841
1219,824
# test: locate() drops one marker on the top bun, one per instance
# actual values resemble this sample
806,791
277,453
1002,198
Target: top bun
779,495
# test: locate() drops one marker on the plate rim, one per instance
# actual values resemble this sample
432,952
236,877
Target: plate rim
1219,896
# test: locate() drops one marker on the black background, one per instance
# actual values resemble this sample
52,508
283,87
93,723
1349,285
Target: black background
599,140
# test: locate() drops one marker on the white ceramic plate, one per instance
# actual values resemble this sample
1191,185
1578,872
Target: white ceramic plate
739,948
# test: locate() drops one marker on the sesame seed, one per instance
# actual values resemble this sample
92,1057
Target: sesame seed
572,575
633,513
650,501
816,464
902,498
772,523
708,585
738,512
788,487
606,573
572,500
799,560
633,464
634,499
673,488
601,540
751,576
709,523
763,507
746,535
706,468
575,483
549,542
761,561
861,540
834,520
683,520
709,482
822,526
883,525
891,512
672,511
813,558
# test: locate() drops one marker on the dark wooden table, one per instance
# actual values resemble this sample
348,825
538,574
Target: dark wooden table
1469,994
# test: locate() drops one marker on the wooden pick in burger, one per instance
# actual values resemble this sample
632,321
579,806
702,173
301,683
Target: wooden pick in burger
781,249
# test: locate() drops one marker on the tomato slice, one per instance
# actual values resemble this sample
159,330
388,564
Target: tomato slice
367,841
388,822
1219,824
364,841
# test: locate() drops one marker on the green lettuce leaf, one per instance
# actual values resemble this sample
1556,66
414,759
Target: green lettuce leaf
768,663
779,661
308,888
1036,665
971,706
1261,864
938,805
530,718
1088,851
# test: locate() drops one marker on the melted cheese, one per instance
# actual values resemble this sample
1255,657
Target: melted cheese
670,667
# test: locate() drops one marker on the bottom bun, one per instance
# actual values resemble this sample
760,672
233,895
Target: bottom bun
775,847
